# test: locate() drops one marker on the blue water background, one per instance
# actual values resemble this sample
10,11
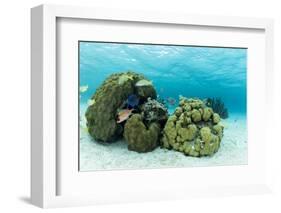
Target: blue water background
175,70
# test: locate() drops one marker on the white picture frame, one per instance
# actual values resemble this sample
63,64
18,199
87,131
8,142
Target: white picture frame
44,150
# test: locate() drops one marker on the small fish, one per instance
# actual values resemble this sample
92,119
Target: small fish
171,101
84,88
133,100
124,115
91,102
143,82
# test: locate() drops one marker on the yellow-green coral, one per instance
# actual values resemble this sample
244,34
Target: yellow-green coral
216,118
205,134
187,107
218,130
189,133
170,132
178,111
207,113
196,115
193,129
195,103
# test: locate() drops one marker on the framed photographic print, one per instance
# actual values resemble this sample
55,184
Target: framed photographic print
148,105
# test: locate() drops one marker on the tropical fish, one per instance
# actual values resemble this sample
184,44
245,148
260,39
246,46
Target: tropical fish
143,82
84,88
91,102
171,101
133,100
123,115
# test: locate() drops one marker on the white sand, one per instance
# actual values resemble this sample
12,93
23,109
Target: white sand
96,156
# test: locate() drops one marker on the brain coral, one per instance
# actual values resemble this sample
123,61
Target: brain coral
114,91
154,111
193,129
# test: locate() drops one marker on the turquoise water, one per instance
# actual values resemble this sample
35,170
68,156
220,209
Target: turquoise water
175,70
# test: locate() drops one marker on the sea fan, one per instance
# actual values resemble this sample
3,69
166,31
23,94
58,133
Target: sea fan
218,106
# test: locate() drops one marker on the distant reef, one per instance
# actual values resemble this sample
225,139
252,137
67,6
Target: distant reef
125,106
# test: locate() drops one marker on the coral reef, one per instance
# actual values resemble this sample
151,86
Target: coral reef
102,112
153,111
141,138
218,106
193,129
125,105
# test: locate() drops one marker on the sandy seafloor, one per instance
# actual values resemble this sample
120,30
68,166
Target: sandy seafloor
97,156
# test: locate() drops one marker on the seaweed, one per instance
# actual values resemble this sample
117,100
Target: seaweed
218,106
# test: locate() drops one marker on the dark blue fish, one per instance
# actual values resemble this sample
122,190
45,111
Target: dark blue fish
132,100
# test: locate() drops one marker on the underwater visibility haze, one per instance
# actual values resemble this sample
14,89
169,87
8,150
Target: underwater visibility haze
192,111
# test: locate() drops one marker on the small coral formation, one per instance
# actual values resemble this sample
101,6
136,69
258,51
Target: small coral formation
193,129
162,101
153,111
141,138
142,130
218,106
105,103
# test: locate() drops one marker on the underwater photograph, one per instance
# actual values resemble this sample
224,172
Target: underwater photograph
150,106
